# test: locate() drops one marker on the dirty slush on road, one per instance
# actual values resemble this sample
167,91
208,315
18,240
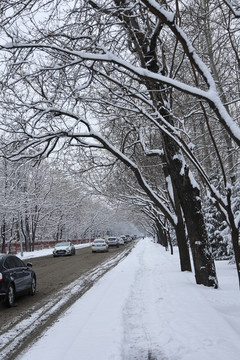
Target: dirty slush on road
60,282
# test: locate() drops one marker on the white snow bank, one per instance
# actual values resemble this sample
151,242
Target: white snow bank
44,252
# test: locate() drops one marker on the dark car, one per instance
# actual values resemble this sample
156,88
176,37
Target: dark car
16,278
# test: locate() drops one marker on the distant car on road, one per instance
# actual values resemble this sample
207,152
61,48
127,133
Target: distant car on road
99,245
63,249
124,238
128,238
113,241
121,241
16,278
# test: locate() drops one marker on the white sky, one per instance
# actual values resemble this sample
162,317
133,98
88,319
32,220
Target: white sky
147,305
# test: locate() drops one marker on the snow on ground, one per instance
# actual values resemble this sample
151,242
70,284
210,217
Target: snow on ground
145,308
44,252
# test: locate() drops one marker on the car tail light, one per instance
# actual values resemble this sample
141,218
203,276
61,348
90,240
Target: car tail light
93,244
104,244
1,277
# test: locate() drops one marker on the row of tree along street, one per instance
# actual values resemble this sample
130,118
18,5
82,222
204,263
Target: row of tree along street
45,204
140,96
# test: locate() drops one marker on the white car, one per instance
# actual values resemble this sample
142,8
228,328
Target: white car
64,248
112,241
121,241
124,238
99,245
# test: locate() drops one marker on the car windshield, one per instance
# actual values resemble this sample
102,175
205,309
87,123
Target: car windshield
63,244
98,241
111,239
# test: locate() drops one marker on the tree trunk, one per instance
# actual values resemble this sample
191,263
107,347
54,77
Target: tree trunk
235,239
162,238
187,191
182,243
27,234
189,196
3,235
180,232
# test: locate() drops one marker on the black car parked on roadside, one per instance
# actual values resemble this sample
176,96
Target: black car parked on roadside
16,278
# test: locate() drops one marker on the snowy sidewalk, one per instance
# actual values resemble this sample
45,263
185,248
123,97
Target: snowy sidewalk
145,308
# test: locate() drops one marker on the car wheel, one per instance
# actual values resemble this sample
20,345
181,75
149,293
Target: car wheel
33,286
10,299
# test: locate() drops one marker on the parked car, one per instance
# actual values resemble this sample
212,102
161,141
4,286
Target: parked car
16,278
113,241
63,249
99,245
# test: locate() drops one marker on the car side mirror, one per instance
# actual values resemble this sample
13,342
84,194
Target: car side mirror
29,264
